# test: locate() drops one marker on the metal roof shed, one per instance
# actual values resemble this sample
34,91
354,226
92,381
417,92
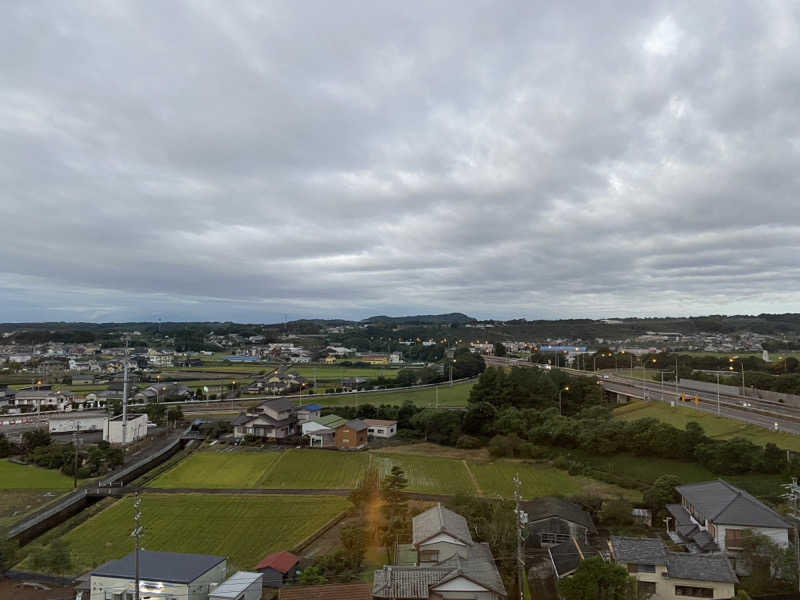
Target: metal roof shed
240,586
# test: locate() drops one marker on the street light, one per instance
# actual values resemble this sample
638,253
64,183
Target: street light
564,389
732,368
451,371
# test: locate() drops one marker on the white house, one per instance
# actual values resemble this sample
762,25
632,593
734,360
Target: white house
450,565
135,430
714,515
162,575
380,428
663,575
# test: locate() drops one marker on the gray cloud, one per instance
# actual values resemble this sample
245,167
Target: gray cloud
247,160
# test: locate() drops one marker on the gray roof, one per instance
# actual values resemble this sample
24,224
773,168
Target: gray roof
479,566
543,508
406,582
567,556
160,566
279,404
440,520
236,584
700,567
638,551
242,419
356,425
722,503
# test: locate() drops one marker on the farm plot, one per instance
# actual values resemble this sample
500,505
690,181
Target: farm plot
497,479
28,477
242,528
315,469
448,396
428,474
209,469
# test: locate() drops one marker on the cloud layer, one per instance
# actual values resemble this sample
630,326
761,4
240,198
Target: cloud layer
245,160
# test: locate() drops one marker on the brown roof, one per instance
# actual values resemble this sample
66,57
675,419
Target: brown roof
379,422
280,561
343,591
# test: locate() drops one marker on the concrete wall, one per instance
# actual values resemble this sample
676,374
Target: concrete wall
136,430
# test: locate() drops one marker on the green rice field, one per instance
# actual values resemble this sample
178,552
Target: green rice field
242,528
28,477
428,474
212,469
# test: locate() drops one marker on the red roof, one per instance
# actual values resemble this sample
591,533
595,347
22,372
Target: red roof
280,561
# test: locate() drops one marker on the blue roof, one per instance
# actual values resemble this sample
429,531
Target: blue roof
160,566
312,407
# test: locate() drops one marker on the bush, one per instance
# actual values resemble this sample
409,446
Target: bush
561,462
468,442
616,512
529,450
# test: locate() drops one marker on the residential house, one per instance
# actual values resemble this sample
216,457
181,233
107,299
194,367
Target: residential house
43,399
552,521
374,359
351,384
273,420
278,569
321,432
162,575
331,591
309,412
239,586
673,575
163,392
450,564
329,360
352,435
380,428
715,515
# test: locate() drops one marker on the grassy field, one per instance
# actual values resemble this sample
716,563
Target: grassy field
336,373
454,396
715,427
242,528
428,474
212,469
645,469
26,477
497,479
14,504
316,469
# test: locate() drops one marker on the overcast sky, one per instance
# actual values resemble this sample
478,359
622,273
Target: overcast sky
249,160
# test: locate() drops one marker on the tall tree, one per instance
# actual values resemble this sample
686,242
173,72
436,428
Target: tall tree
596,579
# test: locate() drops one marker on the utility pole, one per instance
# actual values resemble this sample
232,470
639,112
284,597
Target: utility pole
793,495
137,533
125,399
520,557
75,460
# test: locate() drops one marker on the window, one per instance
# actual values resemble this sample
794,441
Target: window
645,589
428,555
381,431
694,592
734,538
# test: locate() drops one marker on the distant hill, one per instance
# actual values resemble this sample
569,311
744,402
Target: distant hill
446,319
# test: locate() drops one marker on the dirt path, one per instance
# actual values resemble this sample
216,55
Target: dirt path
472,478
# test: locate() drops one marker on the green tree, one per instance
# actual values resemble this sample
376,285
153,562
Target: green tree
174,415
396,524
34,439
312,576
156,413
596,579
616,512
774,459
354,545
5,446
499,349
662,492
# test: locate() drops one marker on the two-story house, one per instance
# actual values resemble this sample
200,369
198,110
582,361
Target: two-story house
273,420
450,565
664,575
714,515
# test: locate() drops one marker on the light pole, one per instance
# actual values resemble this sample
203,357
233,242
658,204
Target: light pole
451,372
732,368
560,409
